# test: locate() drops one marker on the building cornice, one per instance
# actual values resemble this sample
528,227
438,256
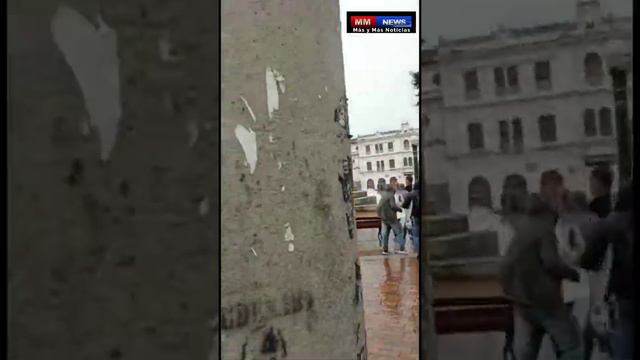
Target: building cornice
526,99
375,137
578,145
399,152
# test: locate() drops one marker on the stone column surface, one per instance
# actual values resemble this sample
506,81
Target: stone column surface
290,279
113,161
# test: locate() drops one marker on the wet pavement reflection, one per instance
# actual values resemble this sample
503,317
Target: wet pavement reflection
390,291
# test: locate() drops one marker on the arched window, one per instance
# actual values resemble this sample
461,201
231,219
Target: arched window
606,127
381,183
480,192
407,145
593,72
514,191
371,184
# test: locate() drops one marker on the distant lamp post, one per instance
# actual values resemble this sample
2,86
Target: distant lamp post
619,62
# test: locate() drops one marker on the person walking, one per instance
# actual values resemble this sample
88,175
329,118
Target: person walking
387,211
531,273
412,202
617,232
600,183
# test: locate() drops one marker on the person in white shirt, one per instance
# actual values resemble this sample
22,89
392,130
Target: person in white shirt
573,222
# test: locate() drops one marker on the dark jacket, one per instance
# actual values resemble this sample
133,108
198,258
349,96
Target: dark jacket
387,208
413,199
616,230
532,270
601,206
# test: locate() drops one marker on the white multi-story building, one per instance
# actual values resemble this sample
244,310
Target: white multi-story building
520,101
379,157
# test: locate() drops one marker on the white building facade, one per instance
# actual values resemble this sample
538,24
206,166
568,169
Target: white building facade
379,157
520,101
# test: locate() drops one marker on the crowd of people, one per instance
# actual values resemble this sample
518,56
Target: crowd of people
399,211
565,251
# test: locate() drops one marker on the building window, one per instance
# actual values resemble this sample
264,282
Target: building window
370,184
367,149
593,72
547,127
543,75
518,135
479,192
410,160
392,164
471,84
499,80
512,77
405,162
407,145
476,136
369,166
589,118
606,126
504,136
435,79
390,146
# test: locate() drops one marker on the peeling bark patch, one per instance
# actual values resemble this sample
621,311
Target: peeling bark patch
341,117
247,139
92,55
358,291
246,104
349,217
273,101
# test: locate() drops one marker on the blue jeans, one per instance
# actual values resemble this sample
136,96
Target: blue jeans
415,234
397,232
622,334
530,326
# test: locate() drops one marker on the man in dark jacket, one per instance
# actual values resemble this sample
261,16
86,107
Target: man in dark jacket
413,200
600,186
531,276
617,232
387,211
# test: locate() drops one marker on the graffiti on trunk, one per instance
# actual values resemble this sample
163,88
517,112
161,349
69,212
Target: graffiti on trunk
259,311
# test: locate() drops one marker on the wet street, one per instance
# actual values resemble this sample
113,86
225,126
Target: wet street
390,291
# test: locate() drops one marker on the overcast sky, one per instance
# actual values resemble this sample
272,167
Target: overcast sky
377,71
459,18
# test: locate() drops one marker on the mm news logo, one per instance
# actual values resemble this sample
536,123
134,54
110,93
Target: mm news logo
382,22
